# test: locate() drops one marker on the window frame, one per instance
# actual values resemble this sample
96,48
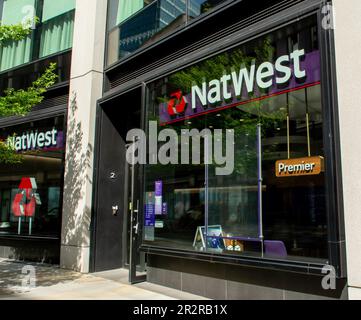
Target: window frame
35,36
334,204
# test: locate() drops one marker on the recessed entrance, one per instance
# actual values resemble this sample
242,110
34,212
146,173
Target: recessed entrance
117,191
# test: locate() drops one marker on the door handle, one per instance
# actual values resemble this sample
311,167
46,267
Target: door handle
136,227
115,210
136,209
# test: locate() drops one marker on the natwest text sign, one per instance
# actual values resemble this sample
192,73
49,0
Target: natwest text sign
291,72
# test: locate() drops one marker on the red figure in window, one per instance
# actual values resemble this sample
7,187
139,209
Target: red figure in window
25,201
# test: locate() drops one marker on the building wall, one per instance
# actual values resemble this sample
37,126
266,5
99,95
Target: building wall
85,89
232,282
41,250
348,64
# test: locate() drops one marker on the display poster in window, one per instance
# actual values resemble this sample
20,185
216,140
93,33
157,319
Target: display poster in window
214,239
149,212
158,198
149,217
164,208
159,224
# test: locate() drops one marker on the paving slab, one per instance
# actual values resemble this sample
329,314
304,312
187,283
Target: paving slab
24,281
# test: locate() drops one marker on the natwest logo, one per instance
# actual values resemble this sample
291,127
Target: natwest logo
177,104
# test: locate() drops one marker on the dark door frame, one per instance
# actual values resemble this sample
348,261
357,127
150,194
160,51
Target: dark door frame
97,192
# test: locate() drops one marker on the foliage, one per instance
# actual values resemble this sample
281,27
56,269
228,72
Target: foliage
14,32
7,154
216,67
20,102
243,119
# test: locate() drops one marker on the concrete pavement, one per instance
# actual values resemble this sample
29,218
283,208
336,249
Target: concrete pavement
17,281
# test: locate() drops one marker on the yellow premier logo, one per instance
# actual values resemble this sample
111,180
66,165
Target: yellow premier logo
299,167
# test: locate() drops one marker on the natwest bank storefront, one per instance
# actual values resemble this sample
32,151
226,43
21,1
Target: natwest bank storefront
237,197
280,109
31,186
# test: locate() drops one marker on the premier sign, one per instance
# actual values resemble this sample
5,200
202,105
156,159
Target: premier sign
299,167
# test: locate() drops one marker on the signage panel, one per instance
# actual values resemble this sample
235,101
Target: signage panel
299,167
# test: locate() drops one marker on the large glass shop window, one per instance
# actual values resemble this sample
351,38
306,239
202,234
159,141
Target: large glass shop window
258,185
31,185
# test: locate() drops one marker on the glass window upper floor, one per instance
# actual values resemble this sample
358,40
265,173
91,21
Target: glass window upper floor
52,33
133,24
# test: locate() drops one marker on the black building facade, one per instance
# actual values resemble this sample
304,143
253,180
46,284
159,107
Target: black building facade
264,72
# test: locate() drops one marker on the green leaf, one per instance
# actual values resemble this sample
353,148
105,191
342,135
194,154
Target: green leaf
8,155
20,102
15,32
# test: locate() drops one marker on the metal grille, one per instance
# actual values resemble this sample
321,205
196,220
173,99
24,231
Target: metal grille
52,102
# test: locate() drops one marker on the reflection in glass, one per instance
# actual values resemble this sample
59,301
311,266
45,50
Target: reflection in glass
198,7
30,190
229,214
174,194
143,24
233,199
53,34
135,24
15,53
57,27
